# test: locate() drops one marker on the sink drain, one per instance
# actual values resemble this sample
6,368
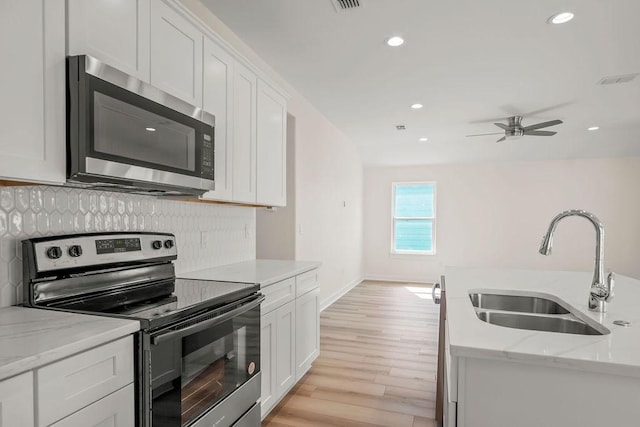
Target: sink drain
622,323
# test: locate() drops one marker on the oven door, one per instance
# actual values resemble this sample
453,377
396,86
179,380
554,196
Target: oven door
204,362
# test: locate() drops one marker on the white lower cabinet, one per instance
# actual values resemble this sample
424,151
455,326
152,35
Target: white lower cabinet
285,348
90,389
307,331
505,393
268,357
16,401
277,354
289,335
115,410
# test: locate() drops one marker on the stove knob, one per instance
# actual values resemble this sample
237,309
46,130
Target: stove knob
75,251
54,252
156,244
168,244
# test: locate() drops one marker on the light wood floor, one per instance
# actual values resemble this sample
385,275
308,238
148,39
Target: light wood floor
377,363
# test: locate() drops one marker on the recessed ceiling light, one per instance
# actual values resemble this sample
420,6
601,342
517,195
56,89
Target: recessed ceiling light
423,139
594,128
395,41
561,18
416,106
151,129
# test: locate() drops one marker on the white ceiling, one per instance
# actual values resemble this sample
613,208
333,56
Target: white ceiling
469,62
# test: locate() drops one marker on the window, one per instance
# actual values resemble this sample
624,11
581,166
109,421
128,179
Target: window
414,218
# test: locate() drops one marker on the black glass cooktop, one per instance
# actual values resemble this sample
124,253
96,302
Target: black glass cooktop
167,302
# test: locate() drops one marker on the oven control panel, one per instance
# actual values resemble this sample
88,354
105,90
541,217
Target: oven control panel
74,251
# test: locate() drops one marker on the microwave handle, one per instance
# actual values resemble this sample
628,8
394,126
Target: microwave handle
205,324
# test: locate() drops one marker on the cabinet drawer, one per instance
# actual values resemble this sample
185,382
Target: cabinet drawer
77,381
117,410
278,294
306,282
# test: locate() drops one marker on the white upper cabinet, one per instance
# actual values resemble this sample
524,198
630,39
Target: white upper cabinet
176,54
272,150
244,135
218,100
32,84
113,31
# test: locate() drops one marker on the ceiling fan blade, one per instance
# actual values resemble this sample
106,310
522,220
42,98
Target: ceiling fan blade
485,134
504,138
540,133
542,125
502,126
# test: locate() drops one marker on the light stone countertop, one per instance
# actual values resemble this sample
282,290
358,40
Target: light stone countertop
263,272
616,353
31,338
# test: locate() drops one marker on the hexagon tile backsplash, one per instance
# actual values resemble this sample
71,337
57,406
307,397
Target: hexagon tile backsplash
207,235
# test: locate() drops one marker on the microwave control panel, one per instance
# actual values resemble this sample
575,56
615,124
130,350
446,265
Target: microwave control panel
207,157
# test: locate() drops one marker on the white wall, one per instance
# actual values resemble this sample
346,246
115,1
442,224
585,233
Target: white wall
496,214
328,201
328,182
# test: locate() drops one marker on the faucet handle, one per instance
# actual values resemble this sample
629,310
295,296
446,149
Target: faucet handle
611,279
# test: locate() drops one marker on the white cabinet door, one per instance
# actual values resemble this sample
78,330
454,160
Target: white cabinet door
218,100
16,401
114,410
244,135
286,347
271,146
307,331
113,31
176,54
268,359
32,84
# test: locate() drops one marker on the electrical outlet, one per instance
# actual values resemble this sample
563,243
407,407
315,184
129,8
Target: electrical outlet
247,232
204,239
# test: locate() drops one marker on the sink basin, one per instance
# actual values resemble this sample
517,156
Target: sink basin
519,303
538,323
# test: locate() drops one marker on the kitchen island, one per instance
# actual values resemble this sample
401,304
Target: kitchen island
500,376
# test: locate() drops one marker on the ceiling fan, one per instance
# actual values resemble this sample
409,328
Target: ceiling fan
515,128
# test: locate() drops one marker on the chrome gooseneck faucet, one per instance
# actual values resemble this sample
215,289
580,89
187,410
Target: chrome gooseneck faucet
600,292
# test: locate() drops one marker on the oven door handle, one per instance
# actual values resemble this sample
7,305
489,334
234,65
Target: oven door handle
180,333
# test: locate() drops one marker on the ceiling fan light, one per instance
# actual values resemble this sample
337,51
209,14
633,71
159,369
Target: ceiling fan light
395,41
561,18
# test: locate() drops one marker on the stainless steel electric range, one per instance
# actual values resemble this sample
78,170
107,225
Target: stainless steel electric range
198,349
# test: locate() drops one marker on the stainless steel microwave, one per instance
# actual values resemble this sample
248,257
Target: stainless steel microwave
124,134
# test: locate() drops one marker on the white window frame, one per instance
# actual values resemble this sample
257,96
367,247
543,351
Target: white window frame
394,218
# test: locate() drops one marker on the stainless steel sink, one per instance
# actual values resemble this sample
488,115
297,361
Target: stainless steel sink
538,323
532,311
519,303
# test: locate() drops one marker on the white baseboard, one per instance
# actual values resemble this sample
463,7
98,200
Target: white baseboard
398,279
339,293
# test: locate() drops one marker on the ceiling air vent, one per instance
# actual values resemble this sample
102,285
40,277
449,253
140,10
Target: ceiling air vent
613,80
344,5
401,127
